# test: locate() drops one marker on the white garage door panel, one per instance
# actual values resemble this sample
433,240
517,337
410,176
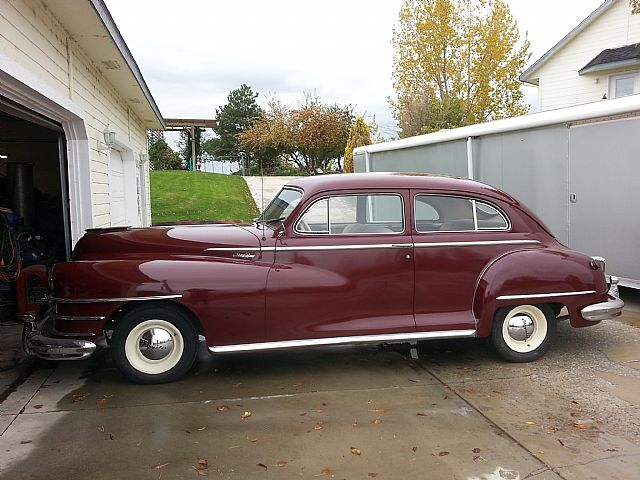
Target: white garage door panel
117,188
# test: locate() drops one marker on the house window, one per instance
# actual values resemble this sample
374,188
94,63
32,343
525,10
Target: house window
624,85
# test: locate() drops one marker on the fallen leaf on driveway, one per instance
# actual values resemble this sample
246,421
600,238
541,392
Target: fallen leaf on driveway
356,451
476,450
580,426
252,439
203,465
236,385
414,381
421,414
280,464
245,415
324,472
377,421
298,384
414,449
262,465
222,408
25,442
530,423
101,401
79,397
377,410
318,425
372,475
443,454
38,407
355,423
162,465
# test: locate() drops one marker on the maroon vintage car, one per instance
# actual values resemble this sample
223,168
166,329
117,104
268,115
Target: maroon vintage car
342,259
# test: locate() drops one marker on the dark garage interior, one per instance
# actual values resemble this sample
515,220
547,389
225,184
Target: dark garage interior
33,185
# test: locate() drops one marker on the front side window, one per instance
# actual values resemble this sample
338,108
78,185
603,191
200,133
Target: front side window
280,207
354,214
456,214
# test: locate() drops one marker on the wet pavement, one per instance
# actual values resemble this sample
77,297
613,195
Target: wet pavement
457,412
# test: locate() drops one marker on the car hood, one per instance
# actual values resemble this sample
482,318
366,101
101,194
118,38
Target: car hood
126,242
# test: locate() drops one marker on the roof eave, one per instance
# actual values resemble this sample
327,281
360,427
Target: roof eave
610,66
107,20
529,72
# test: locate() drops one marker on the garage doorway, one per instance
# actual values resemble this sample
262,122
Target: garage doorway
34,185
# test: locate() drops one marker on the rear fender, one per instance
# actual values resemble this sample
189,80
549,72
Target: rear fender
537,272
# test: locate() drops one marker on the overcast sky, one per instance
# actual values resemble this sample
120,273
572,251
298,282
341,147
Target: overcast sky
192,53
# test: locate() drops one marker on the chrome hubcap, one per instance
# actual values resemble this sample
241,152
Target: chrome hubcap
520,327
155,343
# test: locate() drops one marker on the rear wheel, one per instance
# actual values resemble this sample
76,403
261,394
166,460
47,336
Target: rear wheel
154,344
523,333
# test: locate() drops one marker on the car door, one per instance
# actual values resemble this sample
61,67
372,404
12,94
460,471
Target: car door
343,268
455,238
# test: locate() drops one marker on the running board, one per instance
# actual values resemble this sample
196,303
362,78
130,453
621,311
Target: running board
384,338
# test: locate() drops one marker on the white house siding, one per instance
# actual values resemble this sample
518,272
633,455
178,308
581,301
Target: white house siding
560,84
32,37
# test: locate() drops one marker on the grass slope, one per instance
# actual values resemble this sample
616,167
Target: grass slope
178,195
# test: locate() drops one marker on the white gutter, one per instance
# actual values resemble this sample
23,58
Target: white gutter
602,108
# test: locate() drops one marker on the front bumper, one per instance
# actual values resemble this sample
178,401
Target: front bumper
603,311
36,340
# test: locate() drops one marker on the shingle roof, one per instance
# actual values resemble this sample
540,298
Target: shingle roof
613,57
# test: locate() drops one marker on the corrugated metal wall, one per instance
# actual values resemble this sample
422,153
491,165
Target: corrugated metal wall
541,167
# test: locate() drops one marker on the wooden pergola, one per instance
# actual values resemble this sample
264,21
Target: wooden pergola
190,125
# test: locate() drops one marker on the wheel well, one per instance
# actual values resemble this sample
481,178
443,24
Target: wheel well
129,307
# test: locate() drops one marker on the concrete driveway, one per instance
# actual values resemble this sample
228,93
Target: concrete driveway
345,413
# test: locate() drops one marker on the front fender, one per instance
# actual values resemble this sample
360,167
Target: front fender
538,272
225,295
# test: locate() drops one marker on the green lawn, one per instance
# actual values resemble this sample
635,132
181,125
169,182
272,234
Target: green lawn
178,196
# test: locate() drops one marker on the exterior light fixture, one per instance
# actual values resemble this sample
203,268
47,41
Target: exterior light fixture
144,158
109,138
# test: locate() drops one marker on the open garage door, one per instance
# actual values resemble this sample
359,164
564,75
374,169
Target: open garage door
34,191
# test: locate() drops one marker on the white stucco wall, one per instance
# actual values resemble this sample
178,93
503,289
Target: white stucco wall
32,38
560,85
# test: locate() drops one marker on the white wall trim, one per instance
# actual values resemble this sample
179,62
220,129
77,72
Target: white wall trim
24,88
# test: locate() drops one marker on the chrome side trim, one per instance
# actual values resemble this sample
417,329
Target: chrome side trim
476,243
384,338
368,246
233,249
77,318
115,299
544,295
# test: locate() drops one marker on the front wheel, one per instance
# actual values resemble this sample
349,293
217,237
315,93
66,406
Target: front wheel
523,333
154,344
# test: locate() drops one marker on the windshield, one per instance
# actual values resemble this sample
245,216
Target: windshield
281,206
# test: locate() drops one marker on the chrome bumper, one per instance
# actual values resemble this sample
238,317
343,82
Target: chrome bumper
36,341
603,311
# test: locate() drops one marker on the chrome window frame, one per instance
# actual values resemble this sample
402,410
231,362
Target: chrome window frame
328,197
475,214
285,187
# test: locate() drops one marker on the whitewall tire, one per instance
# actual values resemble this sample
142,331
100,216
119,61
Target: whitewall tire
153,344
523,333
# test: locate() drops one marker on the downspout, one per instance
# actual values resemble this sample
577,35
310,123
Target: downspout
470,158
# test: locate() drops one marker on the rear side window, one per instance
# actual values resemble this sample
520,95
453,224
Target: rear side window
456,214
354,214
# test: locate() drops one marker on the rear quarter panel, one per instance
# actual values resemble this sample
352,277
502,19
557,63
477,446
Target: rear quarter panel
538,271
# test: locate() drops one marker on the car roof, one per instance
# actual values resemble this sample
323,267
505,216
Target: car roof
417,181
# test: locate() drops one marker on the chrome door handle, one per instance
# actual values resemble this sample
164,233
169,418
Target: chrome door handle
402,245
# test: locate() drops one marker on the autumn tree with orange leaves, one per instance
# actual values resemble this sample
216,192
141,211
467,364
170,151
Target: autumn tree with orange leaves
312,135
